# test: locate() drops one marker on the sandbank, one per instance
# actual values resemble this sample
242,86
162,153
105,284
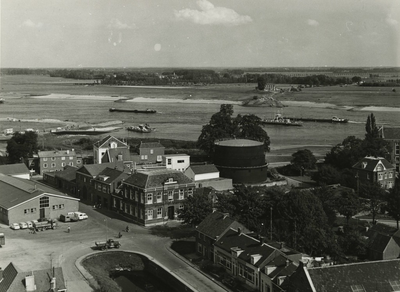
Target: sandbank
380,109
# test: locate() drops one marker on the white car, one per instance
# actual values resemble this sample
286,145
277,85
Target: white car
81,216
30,224
14,226
23,225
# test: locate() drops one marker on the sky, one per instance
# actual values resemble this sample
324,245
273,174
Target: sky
199,33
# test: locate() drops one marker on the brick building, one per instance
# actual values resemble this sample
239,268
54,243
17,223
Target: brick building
392,135
375,169
50,161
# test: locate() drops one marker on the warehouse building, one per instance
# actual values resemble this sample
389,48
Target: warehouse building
25,200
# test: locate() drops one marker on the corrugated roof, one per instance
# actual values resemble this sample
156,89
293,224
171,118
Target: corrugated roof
239,143
16,191
18,168
204,168
369,163
156,178
373,276
216,223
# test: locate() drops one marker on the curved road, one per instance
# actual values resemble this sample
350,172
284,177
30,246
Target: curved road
59,248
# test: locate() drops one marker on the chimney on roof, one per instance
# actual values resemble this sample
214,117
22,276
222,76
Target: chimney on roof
287,262
53,284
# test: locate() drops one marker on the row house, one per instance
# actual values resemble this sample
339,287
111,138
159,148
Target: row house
87,173
150,197
51,161
392,135
210,229
151,152
258,265
375,169
64,180
106,183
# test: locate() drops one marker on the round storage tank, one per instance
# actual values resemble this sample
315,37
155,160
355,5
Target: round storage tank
241,160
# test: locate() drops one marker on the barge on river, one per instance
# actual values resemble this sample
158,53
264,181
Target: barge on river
281,121
91,131
334,119
146,111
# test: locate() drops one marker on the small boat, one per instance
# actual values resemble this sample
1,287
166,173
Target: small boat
339,120
2,100
146,111
279,120
141,128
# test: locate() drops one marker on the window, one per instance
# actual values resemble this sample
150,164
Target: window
26,211
149,198
78,161
159,158
149,214
357,288
181,161
131,194
181,206
70,158
144,157
159,197
71,164
44,158
44,202
151,151
199,248
249,275
397,148
169,161
380,176
181,194
225,262
159,212
63,158
63,164
385,175
190,192
131,210
53,165
53,158
136,196
61,206
33,210
379,168
241,271
170,195
45,165
390,174
55,207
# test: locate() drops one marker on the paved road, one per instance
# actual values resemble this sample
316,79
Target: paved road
59,248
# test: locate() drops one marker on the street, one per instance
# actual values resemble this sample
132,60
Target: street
57,247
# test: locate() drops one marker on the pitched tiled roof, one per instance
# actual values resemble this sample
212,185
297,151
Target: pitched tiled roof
95,169
106,139
373,276
369,163
390,133
151,145
68,174
56,153
378,242
204,168
15,191
157,178
113,154
42,279
384,229
11,169
216,223
249,245
9,275
111,175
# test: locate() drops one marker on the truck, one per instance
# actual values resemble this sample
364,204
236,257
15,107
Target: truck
43,225
110,243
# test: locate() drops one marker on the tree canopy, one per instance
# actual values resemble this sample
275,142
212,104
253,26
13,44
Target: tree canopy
195,209
304,159
223,126
21,146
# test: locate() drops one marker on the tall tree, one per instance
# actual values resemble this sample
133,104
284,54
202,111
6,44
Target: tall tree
373,144
393,202
22,146
375,196
348,205
195,209
304,159
345,154
222,125
327,175
261,83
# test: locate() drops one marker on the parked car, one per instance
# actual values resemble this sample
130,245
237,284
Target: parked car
30,224
23,225
80,216
65,217
14,226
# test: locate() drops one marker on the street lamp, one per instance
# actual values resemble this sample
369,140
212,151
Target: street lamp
271,223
